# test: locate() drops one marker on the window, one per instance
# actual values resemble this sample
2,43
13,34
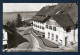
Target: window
56,37
57,12
48,35
52,36
43,28
38,26
68,29
50,27
76,26
34,25
54,28
46,26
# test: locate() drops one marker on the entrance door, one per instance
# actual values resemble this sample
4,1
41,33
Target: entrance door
65,41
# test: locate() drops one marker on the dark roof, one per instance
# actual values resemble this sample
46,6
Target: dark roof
60,7
14,38
66,8
67,17
41,15
45,10
63,20
40,19
9,29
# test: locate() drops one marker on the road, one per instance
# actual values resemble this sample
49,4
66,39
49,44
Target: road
33,44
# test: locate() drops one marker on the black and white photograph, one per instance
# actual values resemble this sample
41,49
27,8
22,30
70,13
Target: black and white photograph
40,27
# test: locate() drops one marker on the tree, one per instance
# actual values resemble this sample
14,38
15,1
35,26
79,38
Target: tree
8,23
19,20
13,24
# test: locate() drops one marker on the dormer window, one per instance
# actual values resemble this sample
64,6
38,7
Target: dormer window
58,12
47,7
70,5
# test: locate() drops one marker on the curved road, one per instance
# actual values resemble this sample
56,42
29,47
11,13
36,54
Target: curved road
35,44
43,47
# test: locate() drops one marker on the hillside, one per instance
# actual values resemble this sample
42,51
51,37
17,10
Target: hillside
10,16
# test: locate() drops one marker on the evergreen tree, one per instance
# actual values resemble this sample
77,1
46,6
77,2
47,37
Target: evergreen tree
19,20
8,23
13,24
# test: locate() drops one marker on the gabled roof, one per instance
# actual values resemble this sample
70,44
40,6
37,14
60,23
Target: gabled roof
41,15
66,8
9,29
60,7
63,20
45,10
40,19
66,17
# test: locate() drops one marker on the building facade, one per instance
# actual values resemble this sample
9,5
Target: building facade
39,20
60,25
38,26
58,35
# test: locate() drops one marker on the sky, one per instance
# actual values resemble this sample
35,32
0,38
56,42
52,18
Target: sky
16,7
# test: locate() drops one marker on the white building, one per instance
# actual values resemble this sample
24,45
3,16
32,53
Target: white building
38,26
5,38
60,26
39,20
64,27
60,35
